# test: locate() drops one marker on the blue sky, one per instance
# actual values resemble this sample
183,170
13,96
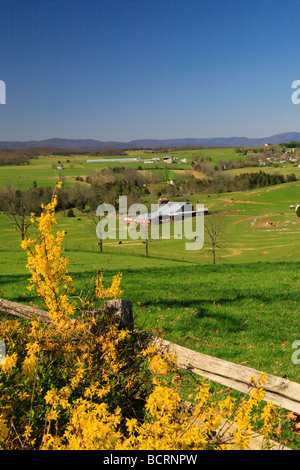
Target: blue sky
130,69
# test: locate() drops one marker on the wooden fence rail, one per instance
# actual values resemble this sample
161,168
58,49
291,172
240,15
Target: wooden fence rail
281,392
23,311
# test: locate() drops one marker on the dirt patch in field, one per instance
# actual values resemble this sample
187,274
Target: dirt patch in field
260,223
267,224
271,224
234,252
249,202
244,219
196,174
229,211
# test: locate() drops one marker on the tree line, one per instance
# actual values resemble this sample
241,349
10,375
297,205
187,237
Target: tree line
110,184
106,187
24,155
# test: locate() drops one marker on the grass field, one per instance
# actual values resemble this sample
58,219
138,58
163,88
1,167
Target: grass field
283,169
245,309
259,226
44,170
256,277
244,313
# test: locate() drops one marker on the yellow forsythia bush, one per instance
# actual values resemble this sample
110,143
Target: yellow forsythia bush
77,383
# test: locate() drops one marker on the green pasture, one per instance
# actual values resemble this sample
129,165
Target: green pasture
216,154
259,225
245,309
43,170
283,169
244,313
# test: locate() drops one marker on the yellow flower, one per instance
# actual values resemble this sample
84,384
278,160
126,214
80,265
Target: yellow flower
111,292
9,364
29,363
25,244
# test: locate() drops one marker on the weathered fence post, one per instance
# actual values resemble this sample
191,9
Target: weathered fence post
122,309
118,307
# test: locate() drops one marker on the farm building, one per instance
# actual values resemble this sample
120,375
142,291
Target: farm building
166,212
110,160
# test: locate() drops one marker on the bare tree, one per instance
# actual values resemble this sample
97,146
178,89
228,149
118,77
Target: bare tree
95,227
18,205
215,231
100,235
145,234
147,243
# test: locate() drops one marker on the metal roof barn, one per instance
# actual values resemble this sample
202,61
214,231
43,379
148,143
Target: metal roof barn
170,211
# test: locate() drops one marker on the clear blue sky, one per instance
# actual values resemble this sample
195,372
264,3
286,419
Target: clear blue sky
129,69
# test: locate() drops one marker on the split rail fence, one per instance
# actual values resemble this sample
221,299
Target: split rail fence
282,392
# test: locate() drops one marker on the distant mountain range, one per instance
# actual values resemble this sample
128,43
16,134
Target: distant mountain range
90,144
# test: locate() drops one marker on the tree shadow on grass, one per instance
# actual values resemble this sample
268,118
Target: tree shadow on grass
207,320
13,288
199,315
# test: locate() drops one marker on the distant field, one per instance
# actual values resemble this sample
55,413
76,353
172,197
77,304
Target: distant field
245,309
259,225
282,169
44,170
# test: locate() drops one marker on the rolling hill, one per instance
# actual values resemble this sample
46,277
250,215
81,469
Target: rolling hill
91,144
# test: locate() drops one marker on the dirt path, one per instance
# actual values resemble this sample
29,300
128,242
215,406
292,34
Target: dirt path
249,202
253,217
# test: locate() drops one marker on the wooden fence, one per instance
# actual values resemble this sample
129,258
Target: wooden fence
280,391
